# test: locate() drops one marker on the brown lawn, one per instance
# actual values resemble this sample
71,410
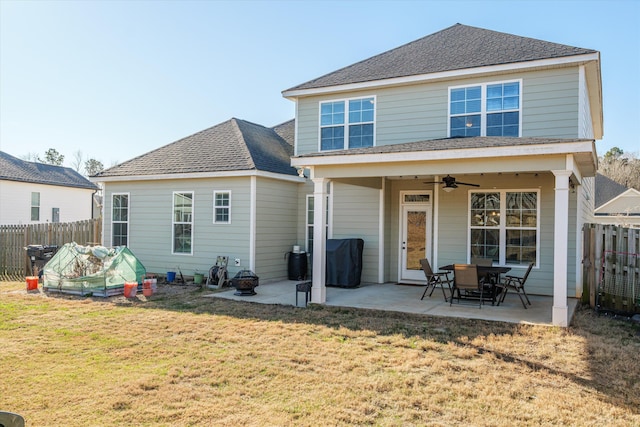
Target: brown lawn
180,359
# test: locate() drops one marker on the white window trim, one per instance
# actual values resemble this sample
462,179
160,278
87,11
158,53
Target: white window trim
122,222
503,227
346,123
215,193
483,105
173,223
35,206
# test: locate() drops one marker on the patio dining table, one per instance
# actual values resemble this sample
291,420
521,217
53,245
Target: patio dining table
491,275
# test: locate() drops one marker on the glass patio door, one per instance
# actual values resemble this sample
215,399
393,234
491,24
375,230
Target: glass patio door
415,241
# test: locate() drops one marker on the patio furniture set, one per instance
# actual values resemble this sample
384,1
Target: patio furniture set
479,281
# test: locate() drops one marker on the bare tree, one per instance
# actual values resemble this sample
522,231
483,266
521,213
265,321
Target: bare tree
76,163
621,168
31,157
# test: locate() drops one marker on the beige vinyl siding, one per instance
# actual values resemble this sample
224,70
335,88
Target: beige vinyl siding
420,112
276,226
356,215
150,225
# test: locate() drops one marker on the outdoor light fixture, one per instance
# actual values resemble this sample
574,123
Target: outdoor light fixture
449,189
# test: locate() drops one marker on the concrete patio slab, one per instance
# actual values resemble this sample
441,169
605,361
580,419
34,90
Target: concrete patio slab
406,298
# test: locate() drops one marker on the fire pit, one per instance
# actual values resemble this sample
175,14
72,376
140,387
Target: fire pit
245,282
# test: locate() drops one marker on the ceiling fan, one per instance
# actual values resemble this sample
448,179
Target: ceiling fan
451,184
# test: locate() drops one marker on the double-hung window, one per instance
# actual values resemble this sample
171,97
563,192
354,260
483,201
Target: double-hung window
504,226
120,219
222,207
347,124
35,206
182,222
485,110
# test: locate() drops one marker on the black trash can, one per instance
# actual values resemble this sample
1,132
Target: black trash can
40,255
344,262
297,266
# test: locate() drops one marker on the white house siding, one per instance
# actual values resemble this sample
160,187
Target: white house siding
276,226
150,219
356,212
418,112
75,204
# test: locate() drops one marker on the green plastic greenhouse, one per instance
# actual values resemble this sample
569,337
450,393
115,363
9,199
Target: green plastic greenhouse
92,270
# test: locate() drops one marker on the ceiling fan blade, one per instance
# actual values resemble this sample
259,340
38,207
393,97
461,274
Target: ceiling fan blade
466,183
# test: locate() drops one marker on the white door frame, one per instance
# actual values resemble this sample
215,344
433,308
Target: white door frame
405,275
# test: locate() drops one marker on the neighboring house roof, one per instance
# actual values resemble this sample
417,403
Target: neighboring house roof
234,145
613,199
15,169
606,189
455,48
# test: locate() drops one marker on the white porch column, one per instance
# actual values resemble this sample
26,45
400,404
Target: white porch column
560,314
318,288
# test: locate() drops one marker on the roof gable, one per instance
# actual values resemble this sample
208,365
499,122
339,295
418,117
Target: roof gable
15,169
626,203
606,190
455,48
234,145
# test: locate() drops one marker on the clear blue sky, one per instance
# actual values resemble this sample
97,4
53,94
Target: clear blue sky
116,79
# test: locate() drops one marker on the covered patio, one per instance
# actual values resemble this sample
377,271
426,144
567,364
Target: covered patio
387,195
406,298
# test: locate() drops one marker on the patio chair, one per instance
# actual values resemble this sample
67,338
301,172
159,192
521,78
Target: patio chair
484,262
517,284
440,278
466,283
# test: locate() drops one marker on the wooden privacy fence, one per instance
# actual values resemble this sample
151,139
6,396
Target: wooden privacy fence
15,263
612,268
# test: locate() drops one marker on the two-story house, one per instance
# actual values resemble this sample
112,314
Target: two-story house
33,193
467,142
515,116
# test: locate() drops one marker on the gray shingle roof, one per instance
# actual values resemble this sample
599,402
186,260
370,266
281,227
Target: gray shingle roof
234,145
15,169
454,48
445,144
606,189
287,131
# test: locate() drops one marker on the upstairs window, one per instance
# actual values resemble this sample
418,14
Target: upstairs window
347,124
485,110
